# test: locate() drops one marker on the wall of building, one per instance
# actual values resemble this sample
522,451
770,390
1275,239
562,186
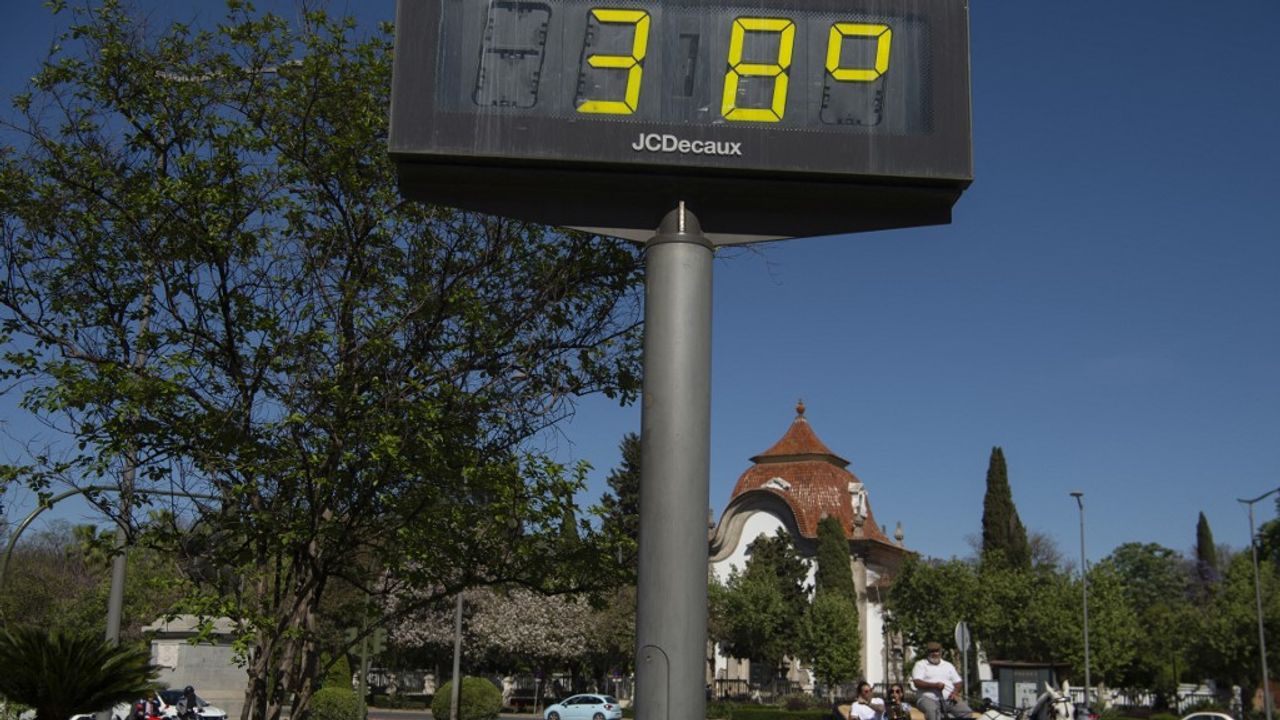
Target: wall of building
210,669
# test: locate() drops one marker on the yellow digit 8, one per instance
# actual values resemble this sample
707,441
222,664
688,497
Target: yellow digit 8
883,35
632,63
778,70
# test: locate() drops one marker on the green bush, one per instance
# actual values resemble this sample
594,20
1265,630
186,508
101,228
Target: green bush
334,703
1163,716
479,700
60,674
804,702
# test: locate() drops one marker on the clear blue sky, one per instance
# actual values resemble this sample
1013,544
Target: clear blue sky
1105,305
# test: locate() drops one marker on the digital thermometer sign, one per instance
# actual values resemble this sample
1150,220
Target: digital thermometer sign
768,119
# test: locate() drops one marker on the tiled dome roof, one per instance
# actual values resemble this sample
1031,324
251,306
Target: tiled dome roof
813,481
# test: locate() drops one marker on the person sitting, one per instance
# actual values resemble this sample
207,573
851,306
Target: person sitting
188,704
897,709
861,708
941,688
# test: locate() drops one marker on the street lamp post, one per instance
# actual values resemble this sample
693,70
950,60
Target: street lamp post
1084,591
1257,592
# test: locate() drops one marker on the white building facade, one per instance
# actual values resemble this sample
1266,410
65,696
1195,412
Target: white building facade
792,486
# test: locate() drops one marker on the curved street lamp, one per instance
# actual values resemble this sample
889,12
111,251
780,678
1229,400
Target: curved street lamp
115,602
1257,592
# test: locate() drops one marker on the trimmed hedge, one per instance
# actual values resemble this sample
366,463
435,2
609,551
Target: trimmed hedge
479,700
749,712
334,703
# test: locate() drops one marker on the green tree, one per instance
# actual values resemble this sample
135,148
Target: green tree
756,623
61,674
762,608
1002,530
833,572
1269,541
57,581
1022,611
928,597
1228,627
620,506
1114,628
776,560
831,641
1206,554
212,282
1157,588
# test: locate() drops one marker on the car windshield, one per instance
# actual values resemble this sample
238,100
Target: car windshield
609,699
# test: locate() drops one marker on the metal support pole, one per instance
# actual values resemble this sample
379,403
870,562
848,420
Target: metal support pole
1257,592
363,684
1084,590
675,429
456,689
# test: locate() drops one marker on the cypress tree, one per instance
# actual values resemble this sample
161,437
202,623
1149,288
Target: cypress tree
833,572
1002,530
1206,552
621,506
830,639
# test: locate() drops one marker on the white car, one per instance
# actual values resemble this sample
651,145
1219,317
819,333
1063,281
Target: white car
1208,716
585,707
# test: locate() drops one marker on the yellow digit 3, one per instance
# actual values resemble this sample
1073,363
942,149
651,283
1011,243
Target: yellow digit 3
632,63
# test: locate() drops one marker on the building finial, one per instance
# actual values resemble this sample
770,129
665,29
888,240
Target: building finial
800,408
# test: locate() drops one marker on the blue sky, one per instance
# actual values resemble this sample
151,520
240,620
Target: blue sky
1104,305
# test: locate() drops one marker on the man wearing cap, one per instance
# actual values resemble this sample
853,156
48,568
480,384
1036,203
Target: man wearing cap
939,686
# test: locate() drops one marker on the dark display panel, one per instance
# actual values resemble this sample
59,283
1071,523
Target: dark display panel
576,112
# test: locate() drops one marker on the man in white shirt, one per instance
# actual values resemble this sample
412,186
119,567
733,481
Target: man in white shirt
939,686
861,708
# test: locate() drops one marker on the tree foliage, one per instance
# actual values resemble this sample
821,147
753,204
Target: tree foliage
517,629
1206,554
1002,530
928,597
1157,588
756,617
830,641
60,578
213,284
762,608
620,506
1228,625
1021,615
478,699
833,572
